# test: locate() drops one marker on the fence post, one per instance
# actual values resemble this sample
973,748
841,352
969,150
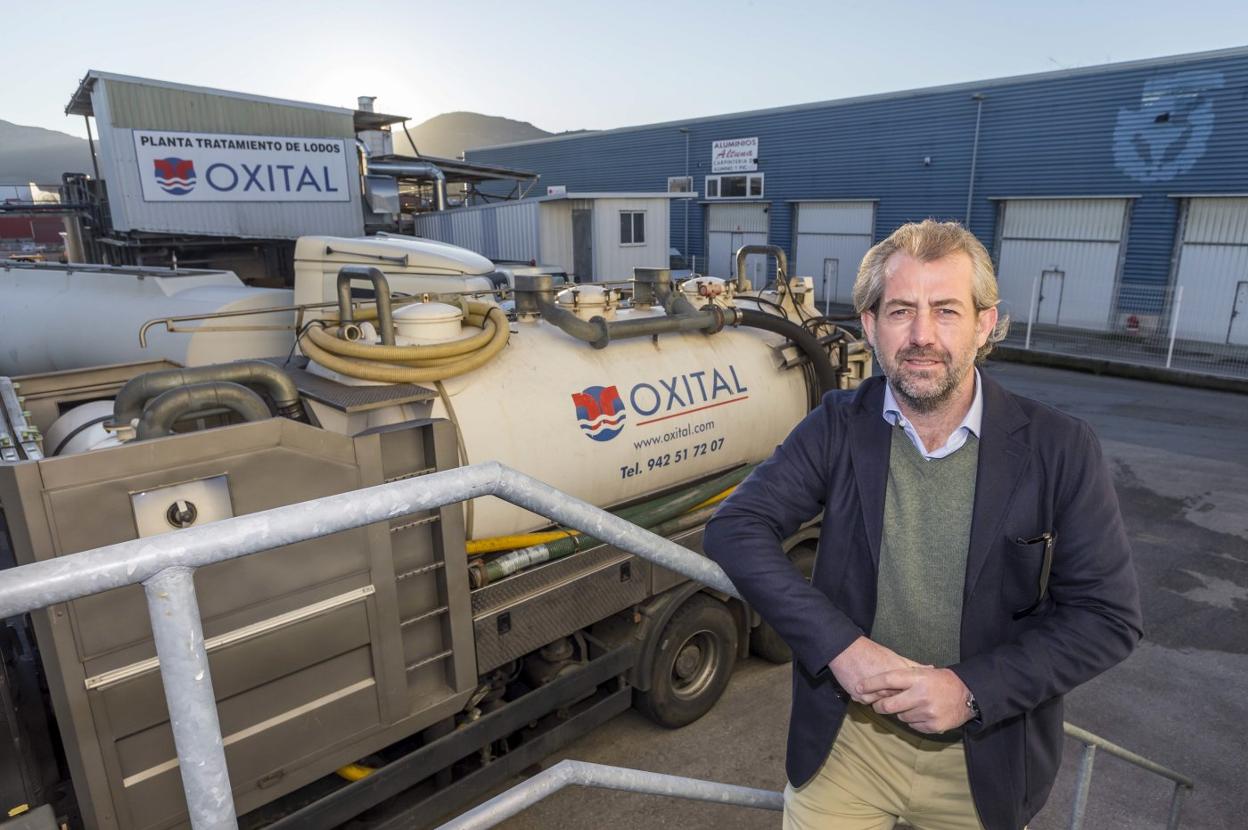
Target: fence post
179,637
1031,312
1081,788
1174,324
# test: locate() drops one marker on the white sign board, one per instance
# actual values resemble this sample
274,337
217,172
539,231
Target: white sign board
734,155
557,190
211,167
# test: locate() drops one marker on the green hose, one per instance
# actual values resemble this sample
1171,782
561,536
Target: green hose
650,515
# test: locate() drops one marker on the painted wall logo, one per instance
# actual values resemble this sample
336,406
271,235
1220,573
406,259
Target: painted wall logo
175,175
600,412
1170,131
241,168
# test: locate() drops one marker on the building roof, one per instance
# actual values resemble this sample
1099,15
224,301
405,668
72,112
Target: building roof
964,86
465,172
80,101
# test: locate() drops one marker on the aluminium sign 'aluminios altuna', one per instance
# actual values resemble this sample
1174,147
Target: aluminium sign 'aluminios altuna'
212,167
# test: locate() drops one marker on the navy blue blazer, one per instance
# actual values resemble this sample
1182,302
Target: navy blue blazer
1039,471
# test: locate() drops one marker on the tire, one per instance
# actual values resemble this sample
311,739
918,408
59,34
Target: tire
692,664
764,641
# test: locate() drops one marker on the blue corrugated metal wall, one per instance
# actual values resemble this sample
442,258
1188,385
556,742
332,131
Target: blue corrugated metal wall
1151,129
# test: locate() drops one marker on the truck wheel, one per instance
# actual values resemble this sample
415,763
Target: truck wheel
764,641
692,664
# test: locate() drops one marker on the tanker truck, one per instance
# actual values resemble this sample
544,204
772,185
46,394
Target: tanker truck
389,674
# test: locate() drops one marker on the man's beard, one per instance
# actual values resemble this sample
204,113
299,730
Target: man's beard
919,389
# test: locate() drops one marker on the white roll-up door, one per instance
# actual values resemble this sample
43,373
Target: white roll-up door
730,226
831,240
1067,252
1213,271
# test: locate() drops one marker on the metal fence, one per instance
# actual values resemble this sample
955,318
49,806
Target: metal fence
165,566
1150,327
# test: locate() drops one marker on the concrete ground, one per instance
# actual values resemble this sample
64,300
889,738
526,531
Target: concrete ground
1180,462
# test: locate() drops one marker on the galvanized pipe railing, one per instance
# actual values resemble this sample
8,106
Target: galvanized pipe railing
567,773
165,566
1091,743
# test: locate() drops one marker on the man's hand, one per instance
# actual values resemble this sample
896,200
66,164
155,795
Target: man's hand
865,658
930,700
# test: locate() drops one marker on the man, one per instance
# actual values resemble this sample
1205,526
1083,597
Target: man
972,565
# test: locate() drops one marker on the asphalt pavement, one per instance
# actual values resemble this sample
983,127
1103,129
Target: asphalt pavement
1180,463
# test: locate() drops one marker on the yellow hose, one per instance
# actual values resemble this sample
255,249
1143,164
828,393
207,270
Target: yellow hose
518,540
415,364
716,499
355,772
497,544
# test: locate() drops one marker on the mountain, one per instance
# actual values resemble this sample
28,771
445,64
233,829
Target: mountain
33,154
451,133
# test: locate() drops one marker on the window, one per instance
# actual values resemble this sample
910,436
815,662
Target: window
632,227
680,184
734,186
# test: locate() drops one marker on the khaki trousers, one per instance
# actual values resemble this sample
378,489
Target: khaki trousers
877,773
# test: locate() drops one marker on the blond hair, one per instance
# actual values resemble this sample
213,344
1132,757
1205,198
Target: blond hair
927,241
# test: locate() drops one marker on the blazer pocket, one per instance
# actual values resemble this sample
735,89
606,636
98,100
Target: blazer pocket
1022,567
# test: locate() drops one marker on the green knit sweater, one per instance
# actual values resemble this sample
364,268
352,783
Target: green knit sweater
927,531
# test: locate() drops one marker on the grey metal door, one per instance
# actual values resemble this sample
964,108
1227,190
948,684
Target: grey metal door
583,244
1049,301
831,280
1237,332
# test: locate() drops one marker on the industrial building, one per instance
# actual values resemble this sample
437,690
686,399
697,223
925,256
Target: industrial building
210,177
1098,190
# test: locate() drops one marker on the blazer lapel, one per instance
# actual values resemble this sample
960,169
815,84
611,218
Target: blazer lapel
1002,461
870,440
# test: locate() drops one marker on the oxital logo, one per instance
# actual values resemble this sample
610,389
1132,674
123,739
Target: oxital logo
600,412
175,175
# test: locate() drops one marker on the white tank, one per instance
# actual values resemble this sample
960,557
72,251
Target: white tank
55,317
613,424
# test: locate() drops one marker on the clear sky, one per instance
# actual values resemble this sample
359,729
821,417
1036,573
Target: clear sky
570,65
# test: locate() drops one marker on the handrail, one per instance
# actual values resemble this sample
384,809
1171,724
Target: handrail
165,566
1182,784
568,772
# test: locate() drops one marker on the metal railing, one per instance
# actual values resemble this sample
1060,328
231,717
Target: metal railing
567,773
1151,326
165,565
1091,743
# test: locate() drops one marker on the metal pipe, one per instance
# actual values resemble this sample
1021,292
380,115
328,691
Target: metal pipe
168,407
581,773
64,578
140,389
685,201
95,163
782,263
978,97
1176,806
598,332
381,294
594,331
1086,737
414,170
1080,806
179,636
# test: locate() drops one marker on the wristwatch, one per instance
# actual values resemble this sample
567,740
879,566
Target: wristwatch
973,706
